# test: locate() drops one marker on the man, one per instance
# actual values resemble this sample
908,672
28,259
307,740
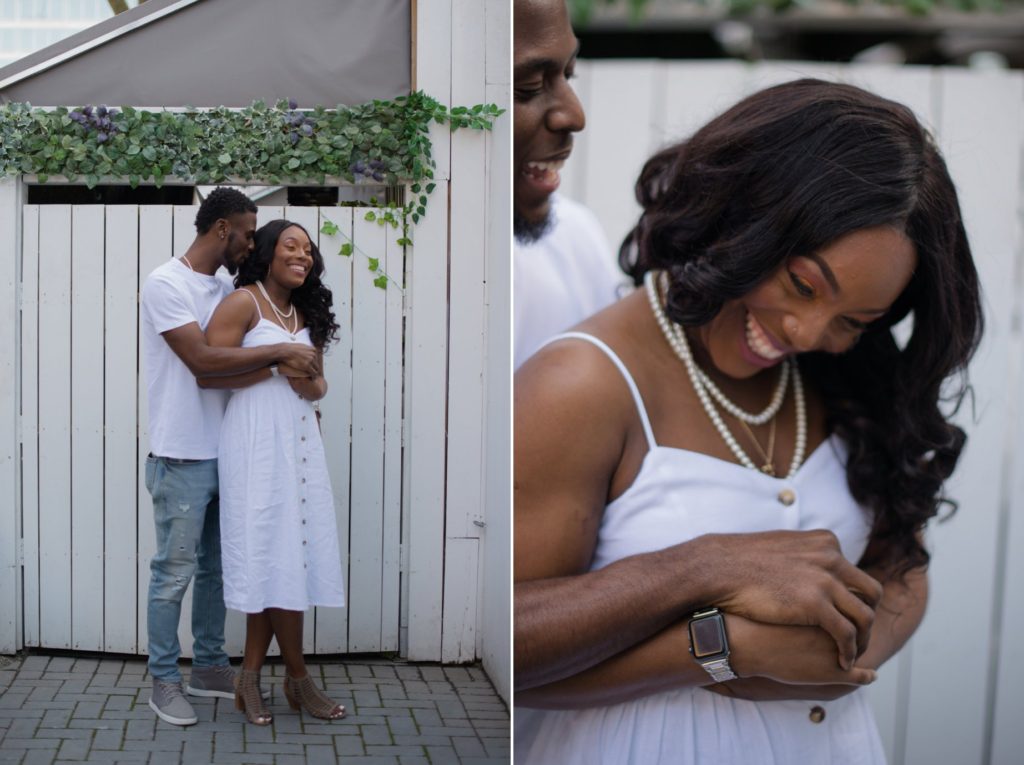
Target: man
178,299
564,270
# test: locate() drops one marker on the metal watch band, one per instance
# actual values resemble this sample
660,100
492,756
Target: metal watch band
719,670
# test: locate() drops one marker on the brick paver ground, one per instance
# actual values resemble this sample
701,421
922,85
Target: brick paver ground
57,709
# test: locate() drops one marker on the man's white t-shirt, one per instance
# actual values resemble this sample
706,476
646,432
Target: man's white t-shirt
184,419
562,278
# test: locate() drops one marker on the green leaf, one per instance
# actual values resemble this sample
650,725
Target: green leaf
224,159
371,216
330,228
373,263
293,163
431,187
381,281
149,153
346,249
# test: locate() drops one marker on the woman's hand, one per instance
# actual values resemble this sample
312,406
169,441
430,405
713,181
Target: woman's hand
310,388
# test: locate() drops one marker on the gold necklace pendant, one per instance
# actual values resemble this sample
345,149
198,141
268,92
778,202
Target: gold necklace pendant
768,469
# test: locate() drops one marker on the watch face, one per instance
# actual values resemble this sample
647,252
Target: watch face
707,637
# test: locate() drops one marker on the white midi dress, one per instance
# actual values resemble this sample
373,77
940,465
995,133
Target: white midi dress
679,495
279,539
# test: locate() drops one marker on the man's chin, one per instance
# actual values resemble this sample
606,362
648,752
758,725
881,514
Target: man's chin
528,231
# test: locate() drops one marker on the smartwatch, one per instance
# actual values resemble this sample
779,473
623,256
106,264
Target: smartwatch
709,644
274,372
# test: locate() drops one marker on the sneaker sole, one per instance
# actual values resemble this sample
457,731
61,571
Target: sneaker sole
191,691
171,719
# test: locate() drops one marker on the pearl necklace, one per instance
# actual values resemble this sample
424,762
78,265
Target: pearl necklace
281,315
676,338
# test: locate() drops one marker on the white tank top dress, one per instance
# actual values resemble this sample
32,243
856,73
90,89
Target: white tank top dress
679,495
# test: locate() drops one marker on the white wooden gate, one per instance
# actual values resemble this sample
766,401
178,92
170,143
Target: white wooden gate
88,529
956,692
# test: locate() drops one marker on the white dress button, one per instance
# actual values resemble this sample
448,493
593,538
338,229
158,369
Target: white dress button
787,497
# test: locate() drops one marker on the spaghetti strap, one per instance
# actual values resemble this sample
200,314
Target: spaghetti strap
600,344
254,300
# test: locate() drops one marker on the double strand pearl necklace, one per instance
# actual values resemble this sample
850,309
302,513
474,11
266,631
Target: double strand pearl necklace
281,315
676,338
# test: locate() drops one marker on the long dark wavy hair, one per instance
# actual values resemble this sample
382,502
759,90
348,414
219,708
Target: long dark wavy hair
786,172
312,298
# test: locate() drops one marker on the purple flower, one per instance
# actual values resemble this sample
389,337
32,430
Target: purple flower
87,111
307,129
358,166
101,137
102,111
294,137
378,176
296,120
292,104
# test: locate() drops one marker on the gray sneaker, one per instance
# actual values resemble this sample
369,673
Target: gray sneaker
216,681
170,703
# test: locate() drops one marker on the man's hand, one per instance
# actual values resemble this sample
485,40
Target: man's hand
799,578
303,358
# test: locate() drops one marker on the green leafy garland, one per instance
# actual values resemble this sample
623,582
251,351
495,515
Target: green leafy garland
382,142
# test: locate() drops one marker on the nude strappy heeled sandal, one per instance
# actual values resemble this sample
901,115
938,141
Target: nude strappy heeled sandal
248,698
302,693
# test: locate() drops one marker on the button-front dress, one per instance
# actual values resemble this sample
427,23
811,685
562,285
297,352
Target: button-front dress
279,537
679,495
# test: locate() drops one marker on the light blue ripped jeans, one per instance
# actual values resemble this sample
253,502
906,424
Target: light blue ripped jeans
186,509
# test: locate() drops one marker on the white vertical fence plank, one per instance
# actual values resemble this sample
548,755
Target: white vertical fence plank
155,246
696,93
308,218
980,137
460,600
10,448
336,410
54,421
121,455
495,602
30,418
86,370
391,562
426,351
367,524
426,386
622,96
466,334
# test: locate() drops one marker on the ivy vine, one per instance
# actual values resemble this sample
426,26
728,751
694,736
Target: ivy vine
382,142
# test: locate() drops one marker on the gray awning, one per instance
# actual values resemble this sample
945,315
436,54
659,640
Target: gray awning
206,53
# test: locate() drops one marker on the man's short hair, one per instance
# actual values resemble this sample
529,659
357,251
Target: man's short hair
222,203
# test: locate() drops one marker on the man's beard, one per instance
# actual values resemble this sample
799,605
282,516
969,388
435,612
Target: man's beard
528,232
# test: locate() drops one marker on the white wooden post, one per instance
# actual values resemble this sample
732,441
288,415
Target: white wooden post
426,355
495,592
10,447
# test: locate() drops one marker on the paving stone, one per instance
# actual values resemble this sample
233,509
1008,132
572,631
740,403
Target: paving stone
319,755
34,663
411,760
375,734
468,747
396,751
74,749
427,717
60,664
243,758
442,755
105,756
39,757
108,739
347,746
422,740
371,761
290,759
109,667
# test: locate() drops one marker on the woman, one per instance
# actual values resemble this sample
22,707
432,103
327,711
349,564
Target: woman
723,473
278,536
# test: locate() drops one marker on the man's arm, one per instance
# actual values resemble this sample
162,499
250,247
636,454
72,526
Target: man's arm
205,360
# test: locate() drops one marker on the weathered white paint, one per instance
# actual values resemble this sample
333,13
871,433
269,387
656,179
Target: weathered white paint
10,448
28,374
426,373
956,692
495,601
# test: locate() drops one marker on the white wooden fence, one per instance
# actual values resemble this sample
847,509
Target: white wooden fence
88,531
955,695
